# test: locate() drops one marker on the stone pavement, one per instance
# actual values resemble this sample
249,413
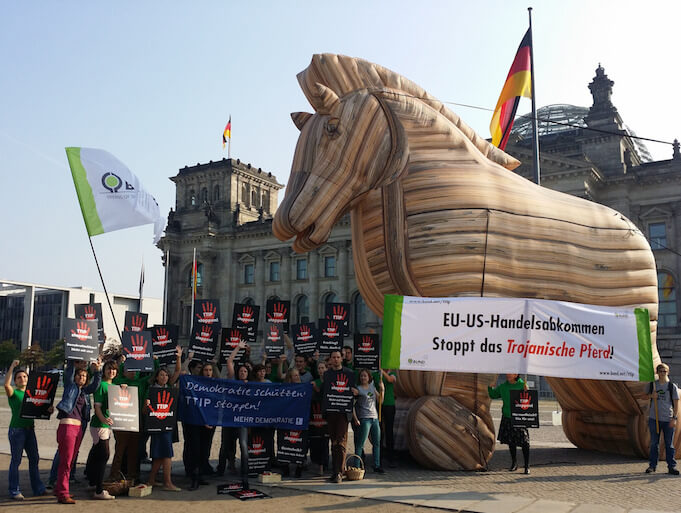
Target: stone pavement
563,479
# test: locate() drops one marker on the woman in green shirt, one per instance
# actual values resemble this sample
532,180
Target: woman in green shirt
21,435
513,436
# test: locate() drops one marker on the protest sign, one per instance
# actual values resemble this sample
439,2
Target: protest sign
123,408
278,311
339,312
246,317
135,321
292,446
251,493
228,488
524,408
259,451
80,340
203,341
207,312
164,341
225,402
39,395
330,336
515,335
92,312
162,409
274,340
229,341
338,394
366,351
137,349
305,339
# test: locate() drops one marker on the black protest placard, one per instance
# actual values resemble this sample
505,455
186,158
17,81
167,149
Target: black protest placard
246,317
274,340
80,340
339,312
135,321
229,341
292,446
258,451
524,408
207,312
366,351
92,312
228,488
330,336
203,341
39,395
164,341
305,338
161,410
278,312
137,349
337,394
123,408
251,493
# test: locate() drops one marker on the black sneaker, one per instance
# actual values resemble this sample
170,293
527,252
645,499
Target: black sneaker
650,470
673,471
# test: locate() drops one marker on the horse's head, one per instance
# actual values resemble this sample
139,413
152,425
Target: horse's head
345,149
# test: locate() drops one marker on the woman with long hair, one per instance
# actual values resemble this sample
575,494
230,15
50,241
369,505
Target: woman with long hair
509,434
200,438
74,412
319,431
21,435
365,416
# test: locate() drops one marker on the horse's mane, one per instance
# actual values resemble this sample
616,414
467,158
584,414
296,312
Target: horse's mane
344,74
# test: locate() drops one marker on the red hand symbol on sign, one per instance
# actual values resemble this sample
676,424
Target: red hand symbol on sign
163,404
82,331
209,312
339,313
124,398
274,332
342,382
90,313
206,334
136,323
247,314
257,444
332,329
43,388
524,400
139,347
278,312
162,337
304,331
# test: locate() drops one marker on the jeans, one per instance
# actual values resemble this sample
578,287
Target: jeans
20,440
366,425
668,433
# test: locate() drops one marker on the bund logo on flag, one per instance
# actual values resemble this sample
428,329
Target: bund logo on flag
164,402
44,386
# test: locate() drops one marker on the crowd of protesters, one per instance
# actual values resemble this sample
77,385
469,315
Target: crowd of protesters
85,404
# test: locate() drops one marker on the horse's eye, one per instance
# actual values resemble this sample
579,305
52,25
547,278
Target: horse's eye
332,126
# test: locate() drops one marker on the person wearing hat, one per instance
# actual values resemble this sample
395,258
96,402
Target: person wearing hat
664,397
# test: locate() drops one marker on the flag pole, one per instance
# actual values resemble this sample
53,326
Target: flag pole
141,287
165,288
105,291
229,145
194,272
535,131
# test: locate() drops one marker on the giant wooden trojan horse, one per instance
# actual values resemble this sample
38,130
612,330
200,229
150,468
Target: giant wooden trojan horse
436,211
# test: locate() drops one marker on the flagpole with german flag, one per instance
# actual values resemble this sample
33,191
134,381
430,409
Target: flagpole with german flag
519,83
227,137
194,280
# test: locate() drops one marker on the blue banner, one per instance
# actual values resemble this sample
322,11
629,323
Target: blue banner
226,402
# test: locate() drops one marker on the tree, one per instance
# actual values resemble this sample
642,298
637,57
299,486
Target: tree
8,353
55,356
32,357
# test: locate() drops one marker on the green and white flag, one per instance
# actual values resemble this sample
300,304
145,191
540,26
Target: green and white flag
516,335
111,197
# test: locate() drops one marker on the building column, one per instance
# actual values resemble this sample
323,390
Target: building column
285,274
343,273
27,327
313,280
260,286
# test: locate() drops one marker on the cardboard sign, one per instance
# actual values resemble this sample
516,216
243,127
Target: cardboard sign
330,336
92,312
123,408
305,338
318,424
338,395
251,493
366,351
135,321
278,312
292,446
228,341
164,341
138,351
203,341
274,340
339,312
81,340
524,408
246,317
39,395
162,410
258,451
228,488
207,312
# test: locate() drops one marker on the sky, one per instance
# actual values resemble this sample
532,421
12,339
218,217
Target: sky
154,83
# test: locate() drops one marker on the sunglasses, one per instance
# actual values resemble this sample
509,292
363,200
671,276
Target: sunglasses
662,370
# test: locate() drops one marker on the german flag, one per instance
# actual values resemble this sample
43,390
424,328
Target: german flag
518,83
227,134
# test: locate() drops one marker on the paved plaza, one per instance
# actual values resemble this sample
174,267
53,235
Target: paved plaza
563,479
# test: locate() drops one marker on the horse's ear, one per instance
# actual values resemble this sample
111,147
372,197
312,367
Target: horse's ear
300,118
324,100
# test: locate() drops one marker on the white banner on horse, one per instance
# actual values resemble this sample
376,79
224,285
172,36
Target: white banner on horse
509,335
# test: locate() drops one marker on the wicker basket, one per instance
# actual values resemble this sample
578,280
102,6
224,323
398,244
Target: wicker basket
118,488
354,473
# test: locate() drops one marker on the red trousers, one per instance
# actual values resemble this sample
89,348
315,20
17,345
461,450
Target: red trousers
68,440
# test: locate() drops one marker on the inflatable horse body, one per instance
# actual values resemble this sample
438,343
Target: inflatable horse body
437,212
